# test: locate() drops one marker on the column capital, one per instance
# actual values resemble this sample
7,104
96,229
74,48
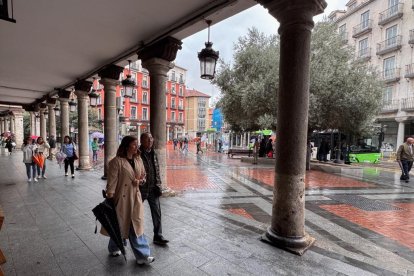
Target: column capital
83,85
81,94
42,107
166,49
111,72
402,119
51,101
157,66
294,12
64,95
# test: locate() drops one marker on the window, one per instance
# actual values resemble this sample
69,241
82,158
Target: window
99,101
173,103
389,67
181,105
173,75
173,89
134,96
364,20
133,112
144,113
133,75
145,81
99,114
121,92
145,97
392,3
180,91
173,116
181,78
387,95
201,124
363,47
342,29
166,101
391,36
180,117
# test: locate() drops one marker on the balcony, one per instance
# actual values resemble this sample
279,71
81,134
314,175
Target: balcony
180,107
364,54
390,106
344,37
391,14
391,75
181,80
409,71
361,29
144,84
407,104
411,38
390,45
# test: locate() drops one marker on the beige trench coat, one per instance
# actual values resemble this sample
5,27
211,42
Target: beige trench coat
127,197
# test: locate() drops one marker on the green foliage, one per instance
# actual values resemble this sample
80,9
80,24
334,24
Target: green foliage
344,94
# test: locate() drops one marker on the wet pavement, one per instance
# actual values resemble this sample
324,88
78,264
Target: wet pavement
362,218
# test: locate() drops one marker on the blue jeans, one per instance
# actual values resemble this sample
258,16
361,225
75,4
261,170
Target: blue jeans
43,170
30,168
94,155
139,245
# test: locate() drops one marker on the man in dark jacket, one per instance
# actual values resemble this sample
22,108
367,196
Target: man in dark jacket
151,189
52,144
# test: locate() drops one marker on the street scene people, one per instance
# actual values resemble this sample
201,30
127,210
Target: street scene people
52,144
28,149
43,148
151,189
126,174
69,149
95,149
9,145
405,158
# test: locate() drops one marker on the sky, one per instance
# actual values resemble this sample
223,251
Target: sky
224,35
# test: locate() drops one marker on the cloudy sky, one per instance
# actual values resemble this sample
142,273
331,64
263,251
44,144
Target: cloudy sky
224,34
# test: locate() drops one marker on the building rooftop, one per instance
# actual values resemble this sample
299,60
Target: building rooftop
195,93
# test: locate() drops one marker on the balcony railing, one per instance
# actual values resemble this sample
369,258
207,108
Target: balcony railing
407,104
364,54
411,38
145,84
391,75
344,37
361,29
409,71
181,80
389,45
390,106
391,14
180,107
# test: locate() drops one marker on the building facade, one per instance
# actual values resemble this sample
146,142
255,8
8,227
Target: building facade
197,117
382,33
134,113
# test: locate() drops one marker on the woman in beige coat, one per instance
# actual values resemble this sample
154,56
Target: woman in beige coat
125,173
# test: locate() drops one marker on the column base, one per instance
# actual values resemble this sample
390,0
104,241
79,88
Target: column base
104,177
296,246
83,168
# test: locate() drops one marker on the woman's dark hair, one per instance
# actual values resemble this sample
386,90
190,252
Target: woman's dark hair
40,137
70,139
26,139
123,147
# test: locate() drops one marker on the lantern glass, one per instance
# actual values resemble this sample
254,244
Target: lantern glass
57,111
207,67
72,106
93,99
128,91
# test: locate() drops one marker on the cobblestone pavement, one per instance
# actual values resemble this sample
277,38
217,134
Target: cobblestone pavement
362,218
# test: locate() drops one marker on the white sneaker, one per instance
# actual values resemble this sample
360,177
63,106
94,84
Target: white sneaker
29,180
146,261
35,179
66,174
44,177
73,176
116,253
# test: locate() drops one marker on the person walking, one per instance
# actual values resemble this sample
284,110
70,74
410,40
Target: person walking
126,173
256,148
52,144
42,147
9,145
28,149
175,142
198,144
95,149
405,158
69,149
151,189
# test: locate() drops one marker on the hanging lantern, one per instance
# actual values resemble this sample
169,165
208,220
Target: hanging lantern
128,83
93,95
46,114
208,58
72,105
57,110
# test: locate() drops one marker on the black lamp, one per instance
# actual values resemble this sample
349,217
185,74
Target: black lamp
72,105
93,95
208,58
57,110
128,83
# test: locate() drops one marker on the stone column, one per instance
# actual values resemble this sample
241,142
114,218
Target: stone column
400,133
139,131
42,120
81,91
52,117
1,125
168,132
157,59
12,125
6,124
287,229
32,123
248,139
110,79
18,128
64,113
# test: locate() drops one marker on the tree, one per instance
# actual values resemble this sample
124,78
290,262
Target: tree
344,94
